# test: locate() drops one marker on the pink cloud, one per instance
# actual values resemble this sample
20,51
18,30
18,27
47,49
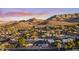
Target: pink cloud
21,14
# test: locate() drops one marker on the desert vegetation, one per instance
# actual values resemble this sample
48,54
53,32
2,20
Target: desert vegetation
57,32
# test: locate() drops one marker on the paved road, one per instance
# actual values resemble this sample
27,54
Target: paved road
41,49
34,49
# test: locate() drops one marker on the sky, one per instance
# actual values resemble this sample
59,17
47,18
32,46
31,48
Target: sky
10,14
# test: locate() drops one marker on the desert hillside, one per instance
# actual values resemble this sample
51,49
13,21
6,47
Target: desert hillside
65,19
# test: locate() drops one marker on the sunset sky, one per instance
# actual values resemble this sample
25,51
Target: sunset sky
26,13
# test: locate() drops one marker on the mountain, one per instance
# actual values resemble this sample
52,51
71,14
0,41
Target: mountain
52,22
23,25
35,21
18,24
66,17
72,20
2,23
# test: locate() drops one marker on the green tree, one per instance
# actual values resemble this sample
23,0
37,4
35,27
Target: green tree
58,44
69,45
21,41
26,35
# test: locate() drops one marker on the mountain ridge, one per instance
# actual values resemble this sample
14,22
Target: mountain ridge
65,19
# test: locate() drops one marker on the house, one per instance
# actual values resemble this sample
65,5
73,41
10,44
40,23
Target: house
41,43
